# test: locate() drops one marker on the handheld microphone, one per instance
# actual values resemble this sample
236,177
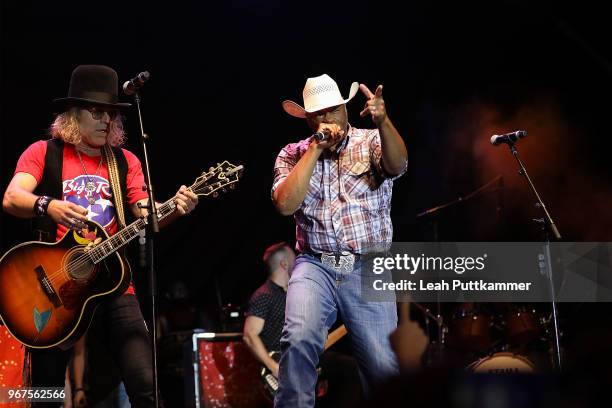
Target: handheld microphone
322,135
508,138
130,87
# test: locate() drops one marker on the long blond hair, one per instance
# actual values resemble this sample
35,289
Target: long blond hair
66,127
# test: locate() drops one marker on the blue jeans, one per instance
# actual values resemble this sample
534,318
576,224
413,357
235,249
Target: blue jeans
315,295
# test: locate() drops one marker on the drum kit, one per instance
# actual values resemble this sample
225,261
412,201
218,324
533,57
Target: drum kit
487,337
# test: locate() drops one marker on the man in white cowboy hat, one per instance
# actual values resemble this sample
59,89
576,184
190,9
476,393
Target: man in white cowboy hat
62,182
338,187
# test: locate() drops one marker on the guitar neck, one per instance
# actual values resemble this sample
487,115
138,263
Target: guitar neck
217,178
123,237
334,336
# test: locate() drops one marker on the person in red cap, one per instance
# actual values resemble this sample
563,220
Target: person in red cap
337,184
64,181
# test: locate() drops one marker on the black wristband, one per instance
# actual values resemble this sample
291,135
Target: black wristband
41,205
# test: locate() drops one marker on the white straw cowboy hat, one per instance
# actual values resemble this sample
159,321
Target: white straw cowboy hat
319,93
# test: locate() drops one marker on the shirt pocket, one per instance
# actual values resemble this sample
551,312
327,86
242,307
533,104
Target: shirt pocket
358,178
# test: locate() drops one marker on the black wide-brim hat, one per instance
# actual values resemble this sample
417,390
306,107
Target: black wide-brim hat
92,85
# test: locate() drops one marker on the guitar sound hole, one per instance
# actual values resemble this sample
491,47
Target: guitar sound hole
79,266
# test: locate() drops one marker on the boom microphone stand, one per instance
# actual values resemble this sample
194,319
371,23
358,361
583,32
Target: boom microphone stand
548,226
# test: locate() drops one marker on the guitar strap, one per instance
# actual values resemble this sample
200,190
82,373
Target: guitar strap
113,175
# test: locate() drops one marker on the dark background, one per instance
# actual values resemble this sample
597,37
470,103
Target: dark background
453,74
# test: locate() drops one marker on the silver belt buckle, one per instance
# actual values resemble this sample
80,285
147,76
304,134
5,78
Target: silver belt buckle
345,263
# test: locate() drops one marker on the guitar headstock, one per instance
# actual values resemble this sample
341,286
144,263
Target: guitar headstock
217,179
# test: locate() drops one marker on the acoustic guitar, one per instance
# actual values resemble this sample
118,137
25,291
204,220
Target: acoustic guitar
49,291
271,383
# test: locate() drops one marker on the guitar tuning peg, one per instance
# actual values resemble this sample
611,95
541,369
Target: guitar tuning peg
215,194
211,169
232,186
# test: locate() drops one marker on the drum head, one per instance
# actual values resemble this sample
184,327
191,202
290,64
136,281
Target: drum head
502,363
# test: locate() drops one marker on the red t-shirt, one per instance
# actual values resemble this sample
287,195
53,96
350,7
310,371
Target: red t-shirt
32,161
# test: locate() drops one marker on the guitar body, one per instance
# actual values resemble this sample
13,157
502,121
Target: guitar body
49,291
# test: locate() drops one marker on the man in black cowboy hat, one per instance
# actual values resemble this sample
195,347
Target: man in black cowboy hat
64,181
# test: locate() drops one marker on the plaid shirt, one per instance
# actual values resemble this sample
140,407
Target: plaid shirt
348,202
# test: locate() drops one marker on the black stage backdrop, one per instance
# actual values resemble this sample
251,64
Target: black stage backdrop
453,74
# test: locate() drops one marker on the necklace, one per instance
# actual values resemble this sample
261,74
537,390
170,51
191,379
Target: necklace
90,186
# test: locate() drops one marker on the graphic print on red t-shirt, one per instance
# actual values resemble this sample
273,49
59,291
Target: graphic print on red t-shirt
98,202
74,184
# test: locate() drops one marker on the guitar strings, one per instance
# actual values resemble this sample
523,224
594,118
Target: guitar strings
85,258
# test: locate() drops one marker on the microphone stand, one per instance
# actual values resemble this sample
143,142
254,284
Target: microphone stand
152,229
548,226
